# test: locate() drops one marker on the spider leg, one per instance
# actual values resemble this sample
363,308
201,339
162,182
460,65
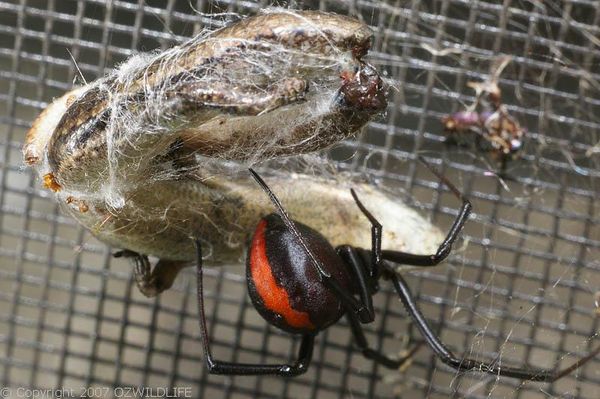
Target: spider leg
229,368
376,234
365,312
377,356
446,246
467,364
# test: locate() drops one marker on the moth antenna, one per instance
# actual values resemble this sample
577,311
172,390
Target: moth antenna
77,67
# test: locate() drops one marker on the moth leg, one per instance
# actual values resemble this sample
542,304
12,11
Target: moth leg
152,281
250,100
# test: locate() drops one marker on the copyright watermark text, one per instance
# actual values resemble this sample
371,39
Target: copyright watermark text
97,392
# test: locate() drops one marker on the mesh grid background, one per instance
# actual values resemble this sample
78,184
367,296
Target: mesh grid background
523,288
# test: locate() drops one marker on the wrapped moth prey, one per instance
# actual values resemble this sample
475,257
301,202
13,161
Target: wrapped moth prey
281,83
128,154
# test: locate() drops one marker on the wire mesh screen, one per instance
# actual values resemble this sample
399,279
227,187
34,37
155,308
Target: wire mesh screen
521,288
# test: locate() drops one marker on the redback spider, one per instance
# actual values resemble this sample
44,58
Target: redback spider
298,282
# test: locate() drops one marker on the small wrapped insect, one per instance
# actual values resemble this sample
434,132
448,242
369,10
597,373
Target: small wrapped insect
501,132
142,157
488,119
